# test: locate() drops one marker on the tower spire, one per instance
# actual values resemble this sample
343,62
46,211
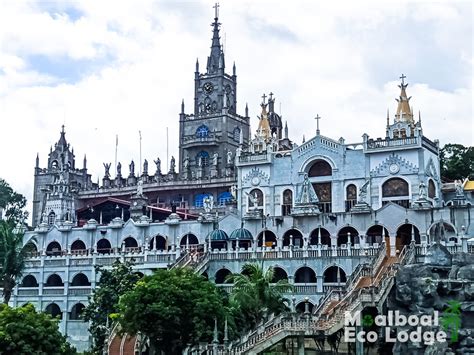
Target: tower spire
214,59
404,112
62,139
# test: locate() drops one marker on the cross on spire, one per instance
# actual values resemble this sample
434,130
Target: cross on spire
270,95
264,97
403,79
216,8
317,118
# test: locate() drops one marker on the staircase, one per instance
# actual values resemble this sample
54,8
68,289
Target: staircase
120,344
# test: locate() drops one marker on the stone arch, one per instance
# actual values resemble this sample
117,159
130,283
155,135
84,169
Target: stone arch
287,202
31,248
29,281
325,237
396,190
258,195
270,239
54,280
345,233
404,235
293,236
158,242
78,246
80,280
103,246
130,242
334,274
76,311
320,167
189,239
53,249
279,274
376,234
447,231
221,276
305,274
301,307
54,310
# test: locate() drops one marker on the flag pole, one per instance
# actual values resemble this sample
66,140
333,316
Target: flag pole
140,134
116,148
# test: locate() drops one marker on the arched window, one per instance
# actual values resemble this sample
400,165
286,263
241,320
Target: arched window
80,280
51,218
103,246
267,238
53,248
54,280
158,243
54,164
287,202
224,198
334,274
76,311
293,237
320,168
301,307
54,310
29,281
255,198
396,190
189,239
431,189
279,274
221,276
202,131
130,243
236,134
305,275
320,233
347,234
202,158
77,247
31,249
351,196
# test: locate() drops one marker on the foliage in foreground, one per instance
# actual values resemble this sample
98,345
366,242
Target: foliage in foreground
113,284
172,308
12,202
24,331
457,162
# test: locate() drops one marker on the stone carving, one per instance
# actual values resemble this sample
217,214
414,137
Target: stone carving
172,165
208,203
233,191
140,187
363,192
215,157
229,158
383,169
131,167
145,167
119,169
253,200
421,190
255,172
158,166
186,163
107,169
307,194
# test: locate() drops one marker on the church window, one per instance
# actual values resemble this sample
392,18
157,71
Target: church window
324,193
224,198
51,218
431,189
396,190
202,132
236,134
287,202
320,168
202,159
351,196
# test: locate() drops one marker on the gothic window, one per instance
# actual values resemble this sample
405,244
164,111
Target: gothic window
51,218
287,202
202,132
256,196
351,196
54,164
320,168
202,159
324,193
236,134
396,190
431,189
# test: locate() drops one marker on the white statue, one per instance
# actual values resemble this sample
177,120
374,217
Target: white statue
253,199
208,203
140,187
421,190
186,163
459,188
363,191
200,161
229,157
233,191
215,156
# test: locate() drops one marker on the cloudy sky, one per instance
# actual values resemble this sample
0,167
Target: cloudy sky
117,67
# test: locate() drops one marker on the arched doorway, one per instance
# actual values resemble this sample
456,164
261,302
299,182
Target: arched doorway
442,231
269,237
279,274
130,243
301,307
293,237
54,310
325,237
305,275
376,234
404,236
78,247
103,246
221,276
347,234
188,240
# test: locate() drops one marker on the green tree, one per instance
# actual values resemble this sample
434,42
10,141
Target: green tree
172,308
256,295
104,301
12,202
457,162
12,257
24,331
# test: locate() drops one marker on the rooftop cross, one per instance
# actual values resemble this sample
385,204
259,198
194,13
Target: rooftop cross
317,118
270,95
216,8
264,97
403,79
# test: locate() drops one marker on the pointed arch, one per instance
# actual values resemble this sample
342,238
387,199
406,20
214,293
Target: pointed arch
53,249
334,274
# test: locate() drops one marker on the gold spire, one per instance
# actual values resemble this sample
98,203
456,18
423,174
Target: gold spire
263,129
404,111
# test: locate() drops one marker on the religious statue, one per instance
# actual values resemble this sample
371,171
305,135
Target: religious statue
132,168
363,191
119,169
459,188
186,163
253,199
140,187
158,166
172,164
226,100
145,167
229,157
208,203
233,191
215,156
107,169
44,218
421,191
200,161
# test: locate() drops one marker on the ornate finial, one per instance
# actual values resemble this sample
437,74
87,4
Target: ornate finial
216,8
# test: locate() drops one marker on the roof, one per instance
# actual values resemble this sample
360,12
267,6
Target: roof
241,234
469,185
217,235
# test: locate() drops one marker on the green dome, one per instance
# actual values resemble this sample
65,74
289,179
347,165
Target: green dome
217,235
241,234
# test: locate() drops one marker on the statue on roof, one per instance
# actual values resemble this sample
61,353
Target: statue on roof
107,169
145,167
131,167
158,166
119,169
172,165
